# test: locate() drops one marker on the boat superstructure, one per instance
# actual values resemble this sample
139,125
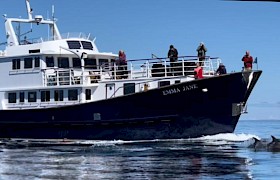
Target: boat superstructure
64,70
64,87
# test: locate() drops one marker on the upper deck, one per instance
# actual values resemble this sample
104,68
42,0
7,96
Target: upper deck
140,69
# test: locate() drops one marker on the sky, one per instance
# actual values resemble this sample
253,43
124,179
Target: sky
145,27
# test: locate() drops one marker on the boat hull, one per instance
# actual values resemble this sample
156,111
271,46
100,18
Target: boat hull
185,110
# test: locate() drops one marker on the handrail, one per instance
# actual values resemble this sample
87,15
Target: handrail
135,69
63,36
166,58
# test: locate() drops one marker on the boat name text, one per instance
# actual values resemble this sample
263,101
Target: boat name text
179,89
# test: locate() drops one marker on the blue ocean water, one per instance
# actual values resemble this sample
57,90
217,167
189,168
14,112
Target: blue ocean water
222,156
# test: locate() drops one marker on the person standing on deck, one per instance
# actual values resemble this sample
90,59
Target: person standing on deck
123,64
173,56
248,61
201,53
122,58
198,71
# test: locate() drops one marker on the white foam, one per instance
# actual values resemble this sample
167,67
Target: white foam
229,137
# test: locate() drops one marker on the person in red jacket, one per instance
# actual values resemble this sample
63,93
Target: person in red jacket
198,71
248,61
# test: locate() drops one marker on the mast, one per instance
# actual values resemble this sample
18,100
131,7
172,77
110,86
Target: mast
53,20
13,39
29,10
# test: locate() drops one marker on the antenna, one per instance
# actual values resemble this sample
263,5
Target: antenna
48,26
29,13
29,10
53,20
4,16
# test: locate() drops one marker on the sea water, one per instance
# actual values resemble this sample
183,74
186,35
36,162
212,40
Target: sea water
222,156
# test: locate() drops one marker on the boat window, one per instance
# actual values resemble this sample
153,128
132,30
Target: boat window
34,51
87,45
37,61
63,62
45,96
58,95
72,95
76,63
177,81
32,96
74,44
129,88
90,63
50,61
28,63
88,94
21,97
12,97
103,62
16,64
163,83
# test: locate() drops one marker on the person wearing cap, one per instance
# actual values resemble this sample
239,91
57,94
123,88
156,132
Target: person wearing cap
248,61
221,69
201,53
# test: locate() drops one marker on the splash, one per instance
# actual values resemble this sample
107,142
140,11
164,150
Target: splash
228,137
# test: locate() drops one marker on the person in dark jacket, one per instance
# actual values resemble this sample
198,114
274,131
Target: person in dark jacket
201,53
173,56
248,61
221,69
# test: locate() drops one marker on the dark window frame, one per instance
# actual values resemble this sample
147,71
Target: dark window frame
76,63
58,95
30,98
21,97
28,63
36,62
63,62
87,45
128,88
88,94
103,62
49,61
12,97
45,96
72,94
74,44
90,63
16,64
163,83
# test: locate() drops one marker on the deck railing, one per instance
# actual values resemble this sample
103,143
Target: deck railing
52,38
135,69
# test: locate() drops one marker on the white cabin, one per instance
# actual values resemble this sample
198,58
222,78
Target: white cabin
69,69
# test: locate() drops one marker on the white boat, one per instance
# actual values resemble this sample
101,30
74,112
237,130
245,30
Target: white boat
62,86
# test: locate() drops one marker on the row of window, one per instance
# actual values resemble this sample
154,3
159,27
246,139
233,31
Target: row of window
62,62
80,45
45,96
28,63
58,95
